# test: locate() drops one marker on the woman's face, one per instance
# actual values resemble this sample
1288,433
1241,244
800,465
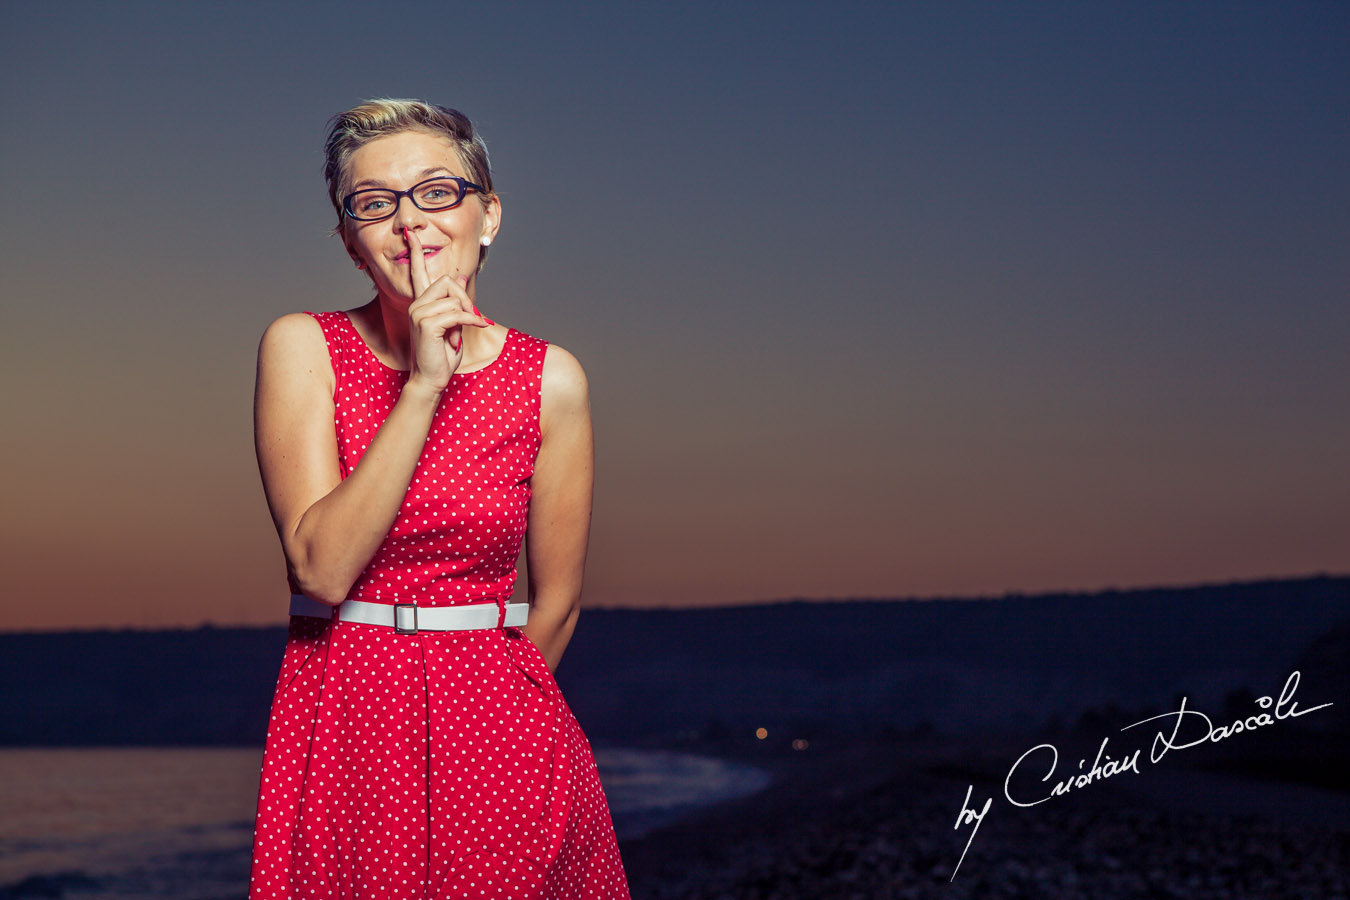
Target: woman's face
450,238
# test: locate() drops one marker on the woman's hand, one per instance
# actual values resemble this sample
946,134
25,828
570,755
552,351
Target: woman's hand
438,312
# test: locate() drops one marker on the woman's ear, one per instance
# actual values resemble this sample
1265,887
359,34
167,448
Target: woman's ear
492,220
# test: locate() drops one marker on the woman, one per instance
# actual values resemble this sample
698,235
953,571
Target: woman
418,744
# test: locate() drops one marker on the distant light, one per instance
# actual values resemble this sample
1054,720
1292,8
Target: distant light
761,733
800,743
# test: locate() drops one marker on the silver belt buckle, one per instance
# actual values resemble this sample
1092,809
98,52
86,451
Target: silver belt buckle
398,627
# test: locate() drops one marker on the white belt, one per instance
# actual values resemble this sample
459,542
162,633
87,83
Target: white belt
409,618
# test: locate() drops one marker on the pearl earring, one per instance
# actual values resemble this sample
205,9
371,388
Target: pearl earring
485,240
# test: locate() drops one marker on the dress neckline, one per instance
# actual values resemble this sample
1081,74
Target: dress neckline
506,344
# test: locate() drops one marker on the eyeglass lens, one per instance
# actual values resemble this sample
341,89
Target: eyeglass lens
439,193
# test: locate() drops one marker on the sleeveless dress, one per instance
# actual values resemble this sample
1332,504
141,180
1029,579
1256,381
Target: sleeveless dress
435,764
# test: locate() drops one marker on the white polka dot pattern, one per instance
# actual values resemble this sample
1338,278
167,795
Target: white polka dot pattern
437,764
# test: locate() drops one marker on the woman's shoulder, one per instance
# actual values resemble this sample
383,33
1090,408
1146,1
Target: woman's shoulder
306,326
294,330
542,355
557,366
561,378
563,382
526,341
296,342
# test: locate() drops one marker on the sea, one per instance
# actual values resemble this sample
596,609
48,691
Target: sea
177,823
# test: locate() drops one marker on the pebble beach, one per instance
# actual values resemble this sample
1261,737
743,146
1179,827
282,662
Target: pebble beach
875,820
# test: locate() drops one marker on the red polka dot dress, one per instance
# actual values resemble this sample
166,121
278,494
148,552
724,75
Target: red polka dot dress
436,764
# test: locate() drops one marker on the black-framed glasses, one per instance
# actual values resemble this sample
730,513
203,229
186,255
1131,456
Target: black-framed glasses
433,195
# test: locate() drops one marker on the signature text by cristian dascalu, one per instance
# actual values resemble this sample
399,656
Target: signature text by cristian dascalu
1197,727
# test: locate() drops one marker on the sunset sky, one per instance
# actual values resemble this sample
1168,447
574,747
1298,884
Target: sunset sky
874,299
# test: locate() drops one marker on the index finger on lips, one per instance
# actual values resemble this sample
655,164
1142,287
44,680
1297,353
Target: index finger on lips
417,264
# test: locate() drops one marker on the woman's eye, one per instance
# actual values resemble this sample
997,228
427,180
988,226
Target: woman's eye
371,204
438,196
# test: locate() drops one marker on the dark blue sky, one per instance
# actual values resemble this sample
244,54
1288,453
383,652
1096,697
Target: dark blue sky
875,300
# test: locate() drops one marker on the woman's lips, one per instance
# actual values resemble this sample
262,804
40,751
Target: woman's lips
427,253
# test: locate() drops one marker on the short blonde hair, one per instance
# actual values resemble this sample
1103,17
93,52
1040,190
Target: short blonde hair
349,131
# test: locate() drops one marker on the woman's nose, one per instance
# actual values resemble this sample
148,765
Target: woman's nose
407,215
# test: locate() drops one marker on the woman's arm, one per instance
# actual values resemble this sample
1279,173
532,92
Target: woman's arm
559,525
329,527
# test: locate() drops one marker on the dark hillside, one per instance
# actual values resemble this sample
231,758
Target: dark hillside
845,666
